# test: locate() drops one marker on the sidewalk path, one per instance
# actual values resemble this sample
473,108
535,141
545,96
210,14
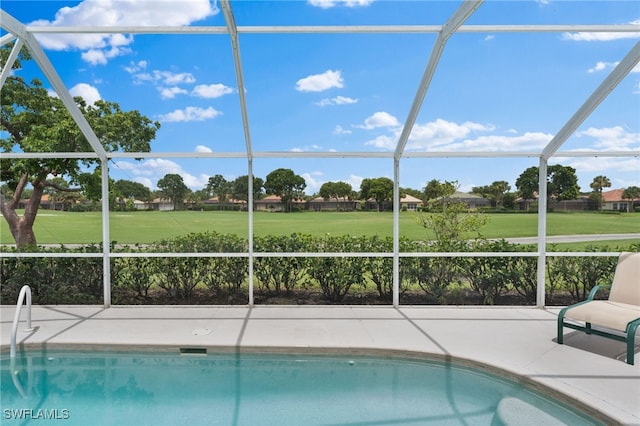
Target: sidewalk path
574,238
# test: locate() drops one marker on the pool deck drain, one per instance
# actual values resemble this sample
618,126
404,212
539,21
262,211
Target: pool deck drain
519,340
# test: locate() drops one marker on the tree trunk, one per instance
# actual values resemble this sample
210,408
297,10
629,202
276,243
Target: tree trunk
22,227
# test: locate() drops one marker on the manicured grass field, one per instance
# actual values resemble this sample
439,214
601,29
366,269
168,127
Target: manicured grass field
54,227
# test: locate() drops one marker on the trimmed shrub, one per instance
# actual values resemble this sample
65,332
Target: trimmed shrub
281,274
336,275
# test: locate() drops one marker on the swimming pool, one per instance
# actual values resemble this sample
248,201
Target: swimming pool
118,388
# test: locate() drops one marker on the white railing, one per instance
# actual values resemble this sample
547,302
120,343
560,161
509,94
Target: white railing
24,291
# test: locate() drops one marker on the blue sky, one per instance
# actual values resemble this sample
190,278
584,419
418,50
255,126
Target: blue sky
352,92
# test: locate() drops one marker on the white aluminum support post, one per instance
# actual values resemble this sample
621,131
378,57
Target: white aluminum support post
250,236
542,233
396,232
106,240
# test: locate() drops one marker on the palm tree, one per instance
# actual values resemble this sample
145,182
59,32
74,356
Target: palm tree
598,184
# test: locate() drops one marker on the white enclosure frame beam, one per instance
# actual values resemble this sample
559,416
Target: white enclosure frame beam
542,233
333,29
10,61
455,21
237,60
455,24
106,238
619,72
235,46
16,28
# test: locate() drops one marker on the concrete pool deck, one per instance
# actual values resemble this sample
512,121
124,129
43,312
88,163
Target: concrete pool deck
520,340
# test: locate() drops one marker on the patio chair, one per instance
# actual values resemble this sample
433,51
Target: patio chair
619,315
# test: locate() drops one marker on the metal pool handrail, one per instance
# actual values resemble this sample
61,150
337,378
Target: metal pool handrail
24,291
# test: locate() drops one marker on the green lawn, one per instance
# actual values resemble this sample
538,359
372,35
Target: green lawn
144,227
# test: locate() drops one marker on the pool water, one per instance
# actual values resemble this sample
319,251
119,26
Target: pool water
111,388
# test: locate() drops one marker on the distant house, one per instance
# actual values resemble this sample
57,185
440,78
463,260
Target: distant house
410,203
160,204
407,202
270,203
45,202
613,201
473,201
123,203
228,204
334,204
273,203
582,204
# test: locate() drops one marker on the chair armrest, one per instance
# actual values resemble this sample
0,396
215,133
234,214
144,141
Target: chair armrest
594,290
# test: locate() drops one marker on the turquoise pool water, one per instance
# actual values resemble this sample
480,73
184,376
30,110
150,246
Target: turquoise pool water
100,388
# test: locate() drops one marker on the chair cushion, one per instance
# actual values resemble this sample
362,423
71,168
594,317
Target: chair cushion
625,287
606,313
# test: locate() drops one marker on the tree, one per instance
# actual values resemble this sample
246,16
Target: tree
598,184
219,187
173,188
337,190
240,188
435,189
631,193
132,190
562,183
495,192
527,183
126,192
33,121
286,184
380,189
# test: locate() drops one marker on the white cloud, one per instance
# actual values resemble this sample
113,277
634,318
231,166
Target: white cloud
355,182
339,130
98,48
489,37
133,67
338,100
327,4
383,142
313,182
167,78
307,148
529,141
190,114
443,135
211,90
600,66
601,164
150,171
603,36
101,57
320,82
87,92
202,148
171,92
379,119
612,138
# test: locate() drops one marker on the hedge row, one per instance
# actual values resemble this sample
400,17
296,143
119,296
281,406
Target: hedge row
137,278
